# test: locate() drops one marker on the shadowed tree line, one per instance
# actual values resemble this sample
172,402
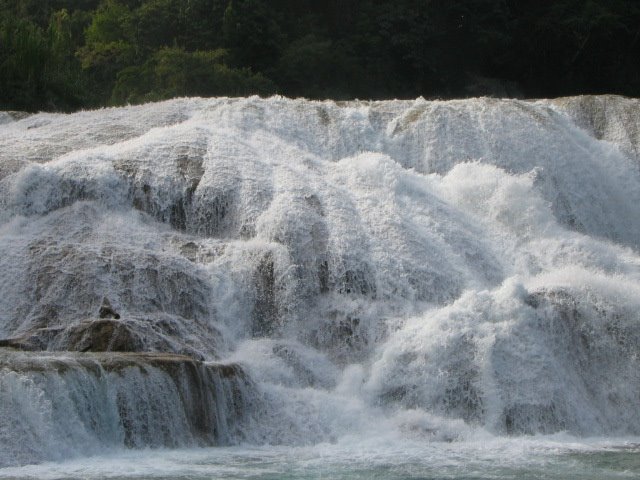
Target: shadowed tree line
70,54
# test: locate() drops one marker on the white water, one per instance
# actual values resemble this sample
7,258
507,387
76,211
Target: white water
425,271
526,459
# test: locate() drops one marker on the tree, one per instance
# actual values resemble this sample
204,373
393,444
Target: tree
37,68
109,45
173,72
317,68
252,34
157,24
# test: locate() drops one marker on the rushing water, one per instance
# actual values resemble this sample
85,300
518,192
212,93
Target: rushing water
401,289
551,458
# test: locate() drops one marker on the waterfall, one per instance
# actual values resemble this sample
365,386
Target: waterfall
216,271
57,404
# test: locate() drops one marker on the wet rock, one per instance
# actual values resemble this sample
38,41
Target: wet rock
135,400
529,419
158,335
105,335
265,314
107,311
343,336
358,281
35,340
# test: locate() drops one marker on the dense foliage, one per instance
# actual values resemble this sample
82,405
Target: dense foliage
66,54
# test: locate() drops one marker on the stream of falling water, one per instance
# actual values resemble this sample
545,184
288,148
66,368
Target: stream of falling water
398,289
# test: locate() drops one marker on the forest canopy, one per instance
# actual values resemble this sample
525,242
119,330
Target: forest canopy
70,54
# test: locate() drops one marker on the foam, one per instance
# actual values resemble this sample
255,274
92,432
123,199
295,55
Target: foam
446,268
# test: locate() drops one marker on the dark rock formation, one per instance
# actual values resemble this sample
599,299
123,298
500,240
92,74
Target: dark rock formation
107,311
265,315
34,340
106,335
103,336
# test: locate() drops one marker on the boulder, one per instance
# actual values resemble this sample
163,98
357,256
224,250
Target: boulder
104,335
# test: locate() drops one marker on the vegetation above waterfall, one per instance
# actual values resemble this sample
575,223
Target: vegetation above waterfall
69,54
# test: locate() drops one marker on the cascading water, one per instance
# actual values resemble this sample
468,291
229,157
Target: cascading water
409,268
58,405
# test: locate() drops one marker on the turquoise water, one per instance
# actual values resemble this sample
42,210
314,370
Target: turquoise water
533,458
